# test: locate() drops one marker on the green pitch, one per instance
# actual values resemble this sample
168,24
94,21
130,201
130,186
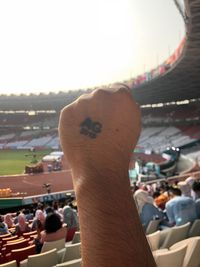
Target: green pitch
14,161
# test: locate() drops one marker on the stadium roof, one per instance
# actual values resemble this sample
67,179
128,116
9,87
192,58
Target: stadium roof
181,82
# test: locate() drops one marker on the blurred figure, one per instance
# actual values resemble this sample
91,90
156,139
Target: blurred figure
70,218
147,211
8,219
28,214
16,217
58,210
3,226
196,189
22,225
54,230
39,216
180,209
185,188
190,180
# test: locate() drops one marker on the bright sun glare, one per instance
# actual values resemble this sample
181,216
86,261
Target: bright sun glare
49,45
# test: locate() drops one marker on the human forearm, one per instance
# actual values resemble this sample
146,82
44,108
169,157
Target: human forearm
109,222
98,133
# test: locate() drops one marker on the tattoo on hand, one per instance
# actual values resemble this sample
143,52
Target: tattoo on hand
90,128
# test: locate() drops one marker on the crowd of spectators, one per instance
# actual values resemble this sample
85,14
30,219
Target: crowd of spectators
173,205
47,223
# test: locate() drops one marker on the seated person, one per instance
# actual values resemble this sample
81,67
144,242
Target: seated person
54,230
3,226
8,219
180,209
70,218
28,214
196,189
22,225
147,211
39,215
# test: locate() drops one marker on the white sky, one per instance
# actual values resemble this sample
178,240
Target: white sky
58,45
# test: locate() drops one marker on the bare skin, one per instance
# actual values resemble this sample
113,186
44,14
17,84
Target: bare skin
98,133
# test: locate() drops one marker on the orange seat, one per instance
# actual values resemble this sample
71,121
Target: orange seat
22,253
30,234
14,245
6,239
4,236
14,241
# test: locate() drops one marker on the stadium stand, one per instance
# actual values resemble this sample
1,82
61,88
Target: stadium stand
164,126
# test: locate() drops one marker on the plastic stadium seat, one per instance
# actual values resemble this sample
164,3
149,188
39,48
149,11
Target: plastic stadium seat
73,251
191,258
9,264
4,236
29,234
73,263
70,234
152,227
22,253
167,258
195,229
7,239
60,254
46,259
153,240
174,235
59,244
19,239
14,245
76,238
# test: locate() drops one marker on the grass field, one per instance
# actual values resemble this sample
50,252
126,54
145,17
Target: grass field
14,161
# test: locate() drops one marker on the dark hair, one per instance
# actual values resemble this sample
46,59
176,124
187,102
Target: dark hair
196,186
156,194
55,205
49,210
40,206
1,218
52,222
26,211
175,191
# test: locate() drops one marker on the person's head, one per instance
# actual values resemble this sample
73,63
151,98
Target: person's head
190,180
17,213
2,224
49,210
55,205
40,206
8,219
141,197
196,188
174,192
40,215
52,223
156,194
26,211
185,188
164,187
1,218
21,220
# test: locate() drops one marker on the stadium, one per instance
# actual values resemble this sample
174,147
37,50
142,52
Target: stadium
168,149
